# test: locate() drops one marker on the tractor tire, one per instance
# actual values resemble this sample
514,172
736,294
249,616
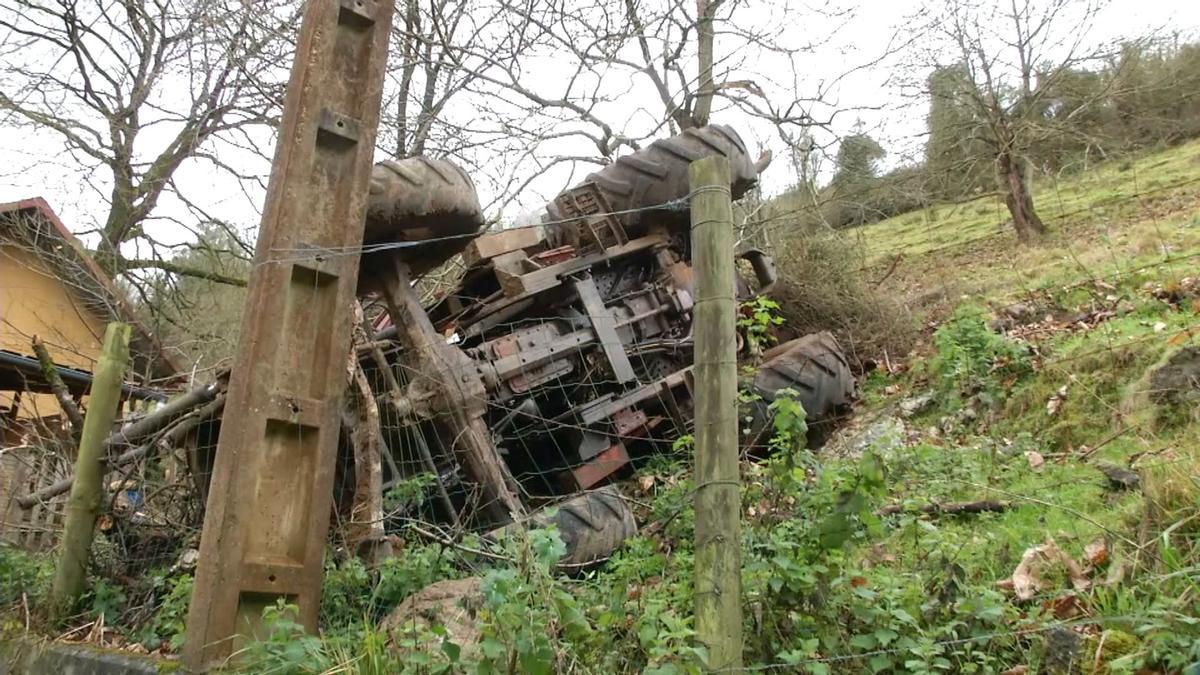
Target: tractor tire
658,174
816,369
593,525
414,200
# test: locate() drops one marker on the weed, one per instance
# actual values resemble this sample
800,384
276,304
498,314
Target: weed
972,358
23,576
168,623
758,318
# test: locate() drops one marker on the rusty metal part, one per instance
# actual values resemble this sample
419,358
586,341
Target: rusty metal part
594,226
764,269
446,389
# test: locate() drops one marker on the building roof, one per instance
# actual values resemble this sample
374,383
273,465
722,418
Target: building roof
33,223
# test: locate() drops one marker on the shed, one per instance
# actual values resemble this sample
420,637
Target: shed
50,287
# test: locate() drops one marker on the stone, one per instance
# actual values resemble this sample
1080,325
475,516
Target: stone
451,604
1119,478
911,407
1176,381
1062,651
882,436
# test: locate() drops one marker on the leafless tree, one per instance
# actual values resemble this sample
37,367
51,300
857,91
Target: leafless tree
1013,54
138,89
517,90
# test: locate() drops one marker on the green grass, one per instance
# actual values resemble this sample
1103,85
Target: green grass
958,254
1118,217
1106,194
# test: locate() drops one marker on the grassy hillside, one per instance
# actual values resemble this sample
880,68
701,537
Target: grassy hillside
1037,377
1116,217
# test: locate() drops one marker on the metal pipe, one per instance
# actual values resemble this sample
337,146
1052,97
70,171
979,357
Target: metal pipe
77,380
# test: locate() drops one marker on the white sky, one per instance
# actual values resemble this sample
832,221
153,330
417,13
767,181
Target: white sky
34,163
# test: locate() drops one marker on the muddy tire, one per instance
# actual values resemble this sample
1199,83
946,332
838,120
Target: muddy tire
419,199
593,525
816,369
658,174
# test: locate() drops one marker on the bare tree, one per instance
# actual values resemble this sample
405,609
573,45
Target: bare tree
1012,54
138,88
552,86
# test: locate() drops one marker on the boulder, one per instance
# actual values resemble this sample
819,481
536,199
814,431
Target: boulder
1176,381
451,604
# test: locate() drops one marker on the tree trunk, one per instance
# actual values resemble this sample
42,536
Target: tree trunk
705,12
1014,183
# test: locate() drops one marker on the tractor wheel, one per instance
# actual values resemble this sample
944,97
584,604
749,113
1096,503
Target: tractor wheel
658,174
414,200
593,525
815,368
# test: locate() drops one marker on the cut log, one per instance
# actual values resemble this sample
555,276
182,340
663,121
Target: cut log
948,508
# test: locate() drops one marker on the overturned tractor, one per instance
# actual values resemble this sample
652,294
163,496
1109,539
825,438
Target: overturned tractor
560,359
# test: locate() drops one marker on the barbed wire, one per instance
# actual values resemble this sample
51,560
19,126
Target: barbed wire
318,252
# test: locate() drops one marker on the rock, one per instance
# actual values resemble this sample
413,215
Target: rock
451,604
1118,477
1176,382
1016,314
882,436
1062,651
911,407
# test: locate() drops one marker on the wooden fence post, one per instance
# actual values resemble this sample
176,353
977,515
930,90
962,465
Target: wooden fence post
718,490
70,575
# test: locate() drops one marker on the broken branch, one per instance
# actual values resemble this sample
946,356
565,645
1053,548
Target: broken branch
50,374
949,508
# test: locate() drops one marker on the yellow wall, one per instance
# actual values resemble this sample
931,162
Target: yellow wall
33,301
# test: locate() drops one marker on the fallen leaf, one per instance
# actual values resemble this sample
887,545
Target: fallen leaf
858,581
646,482
1016,670
1066,607
1027,577
1159,327
1096,553
1185,336
1035,459
1056,401
879,555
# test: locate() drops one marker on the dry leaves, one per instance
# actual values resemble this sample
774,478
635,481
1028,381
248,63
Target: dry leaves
1026,580
1056,401
1096,553
646,482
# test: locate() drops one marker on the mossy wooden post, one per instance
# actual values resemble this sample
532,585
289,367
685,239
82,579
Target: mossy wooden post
718,491
70,577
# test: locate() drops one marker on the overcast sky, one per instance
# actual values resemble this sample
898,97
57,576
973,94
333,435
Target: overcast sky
34,163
